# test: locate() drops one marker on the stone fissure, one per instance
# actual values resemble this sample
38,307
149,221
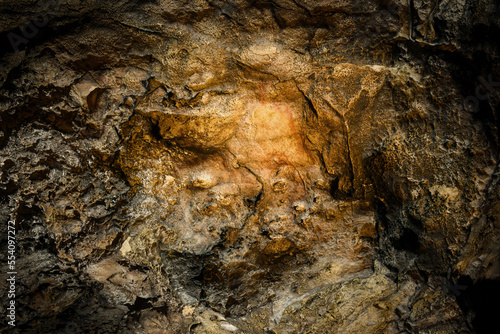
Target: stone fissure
252,166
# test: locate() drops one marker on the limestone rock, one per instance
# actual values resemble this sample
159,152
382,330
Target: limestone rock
251,166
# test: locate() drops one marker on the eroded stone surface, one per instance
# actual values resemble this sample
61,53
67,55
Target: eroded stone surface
264,167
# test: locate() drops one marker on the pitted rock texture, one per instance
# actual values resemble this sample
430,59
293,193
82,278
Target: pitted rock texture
251,166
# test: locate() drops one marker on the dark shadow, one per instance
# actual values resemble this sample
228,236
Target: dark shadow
483,300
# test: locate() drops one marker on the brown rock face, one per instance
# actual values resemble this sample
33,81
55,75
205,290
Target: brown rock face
250,166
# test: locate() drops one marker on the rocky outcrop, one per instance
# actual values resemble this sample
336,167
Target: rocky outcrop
251,166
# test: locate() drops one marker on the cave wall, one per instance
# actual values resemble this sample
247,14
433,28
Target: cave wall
251,166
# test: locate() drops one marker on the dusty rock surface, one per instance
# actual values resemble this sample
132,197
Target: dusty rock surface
251,166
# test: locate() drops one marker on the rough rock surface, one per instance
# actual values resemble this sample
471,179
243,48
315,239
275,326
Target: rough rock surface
257,166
